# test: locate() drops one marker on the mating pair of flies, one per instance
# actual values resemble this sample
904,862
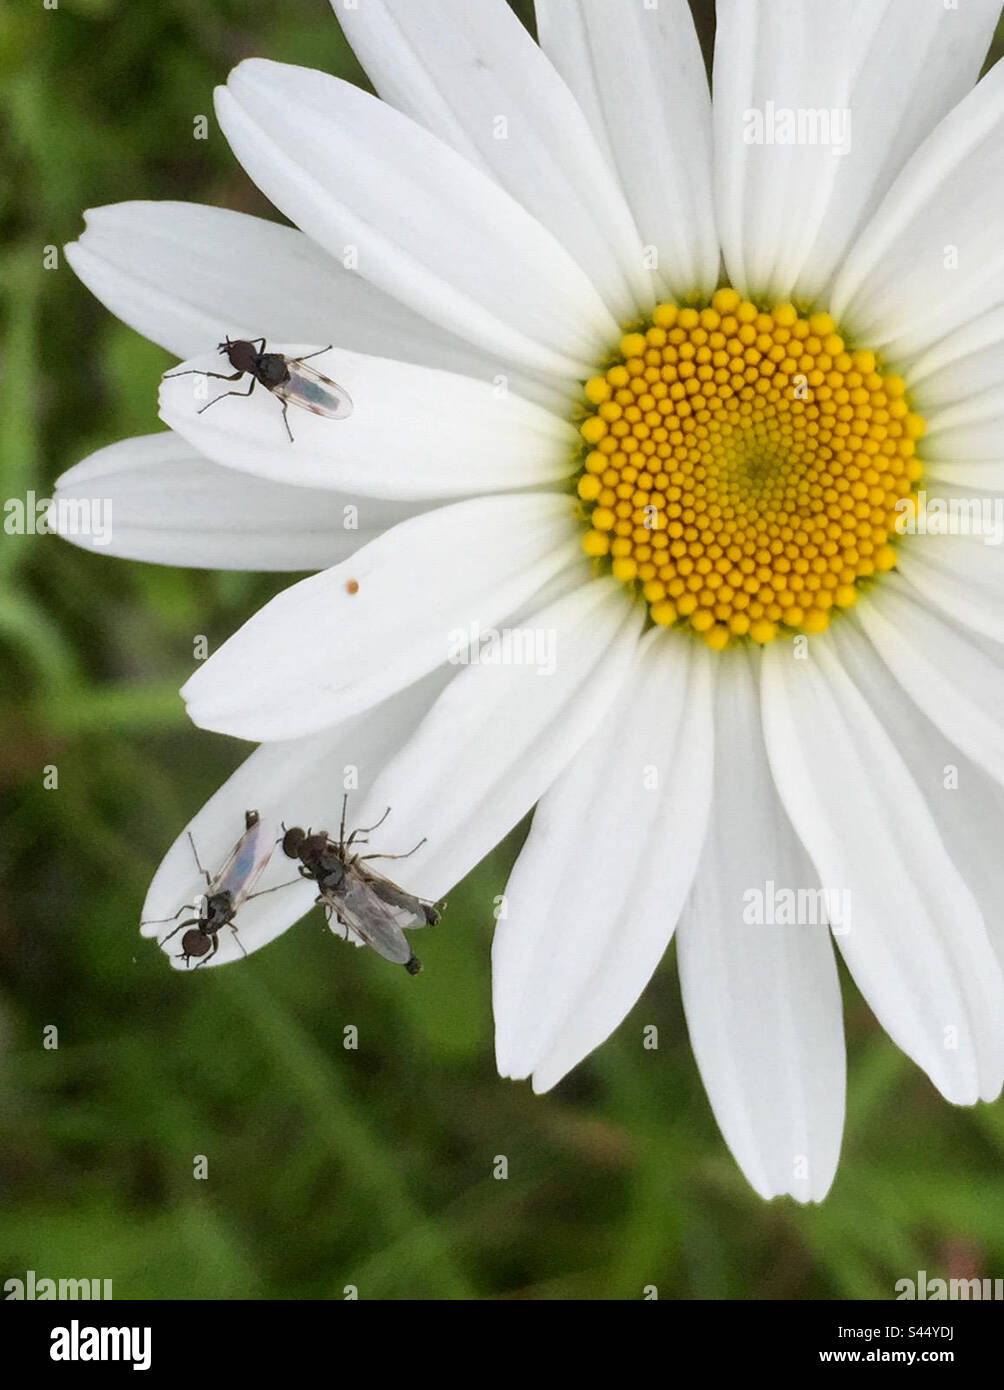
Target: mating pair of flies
288,378
368,906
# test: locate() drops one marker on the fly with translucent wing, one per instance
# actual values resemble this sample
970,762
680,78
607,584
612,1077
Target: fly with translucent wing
226,891
288,378
367,905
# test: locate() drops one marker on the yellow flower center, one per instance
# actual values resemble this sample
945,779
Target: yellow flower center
745,469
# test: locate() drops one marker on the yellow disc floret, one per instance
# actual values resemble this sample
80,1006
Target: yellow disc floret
742,469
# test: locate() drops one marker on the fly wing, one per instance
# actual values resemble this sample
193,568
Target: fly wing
246,861
378,923
311,391
414,912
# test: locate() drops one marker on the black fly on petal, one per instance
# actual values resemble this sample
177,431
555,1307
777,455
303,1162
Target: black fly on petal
288,378
226,890
361,900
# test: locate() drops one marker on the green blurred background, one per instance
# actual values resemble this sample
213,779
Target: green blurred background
327,1167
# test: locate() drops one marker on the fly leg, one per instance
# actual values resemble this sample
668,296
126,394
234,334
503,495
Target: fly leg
396,856
225,394
156,921
195,371
364,830
198,862
330,912
192,922
313,354
291,884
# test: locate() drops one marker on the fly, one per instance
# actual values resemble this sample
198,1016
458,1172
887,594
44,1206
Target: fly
288,378
361,900
226,890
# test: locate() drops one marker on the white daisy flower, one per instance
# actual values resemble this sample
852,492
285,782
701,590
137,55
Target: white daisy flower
643,372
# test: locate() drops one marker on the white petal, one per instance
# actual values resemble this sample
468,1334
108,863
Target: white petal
638,73
297,782
425,225
770,197
964,367
958,387
473,76
168,505
914,61
413,432
917,947
343,640
596,891
967,446
500,734
761,997
967,805
187,276
985,475
959,687
930,260
891,68
962,576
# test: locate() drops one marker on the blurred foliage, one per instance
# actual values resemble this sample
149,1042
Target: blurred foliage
327,1167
